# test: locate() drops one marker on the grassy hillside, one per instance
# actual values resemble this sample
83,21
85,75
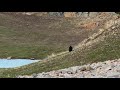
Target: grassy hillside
105,46
37,37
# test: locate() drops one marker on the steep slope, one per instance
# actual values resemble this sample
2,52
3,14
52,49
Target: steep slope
101,46
37,37
30,36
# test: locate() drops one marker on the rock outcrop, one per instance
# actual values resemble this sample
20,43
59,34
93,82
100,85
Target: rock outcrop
66,14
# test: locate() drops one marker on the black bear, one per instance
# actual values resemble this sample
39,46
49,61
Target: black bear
70,48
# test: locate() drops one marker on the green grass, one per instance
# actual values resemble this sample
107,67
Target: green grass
22,51
14,44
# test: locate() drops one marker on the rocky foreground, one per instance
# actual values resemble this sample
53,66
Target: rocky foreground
107,69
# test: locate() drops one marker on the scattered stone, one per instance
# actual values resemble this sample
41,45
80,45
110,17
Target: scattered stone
26,76
61,75
67,75
113,27
34,75
75,69
69,72
83,68
88,68
107,69
43,75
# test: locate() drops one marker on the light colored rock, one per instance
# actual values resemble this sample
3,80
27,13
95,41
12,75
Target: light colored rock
75,69
82,69
114,76
62,71
43,75
28,13
85,14
34,75
9,57
80,76
88,68
108,68
26,76
111,74
79,14
93,14
117,67
90,75
61,75
66,75
70,14
69,72
109,23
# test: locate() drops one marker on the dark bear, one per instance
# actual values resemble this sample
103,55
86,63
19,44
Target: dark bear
70,48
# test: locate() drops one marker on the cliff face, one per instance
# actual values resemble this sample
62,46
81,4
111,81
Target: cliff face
67,14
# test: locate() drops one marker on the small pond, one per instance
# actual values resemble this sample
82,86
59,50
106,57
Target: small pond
12,63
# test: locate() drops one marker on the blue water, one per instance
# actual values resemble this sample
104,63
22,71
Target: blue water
12,63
